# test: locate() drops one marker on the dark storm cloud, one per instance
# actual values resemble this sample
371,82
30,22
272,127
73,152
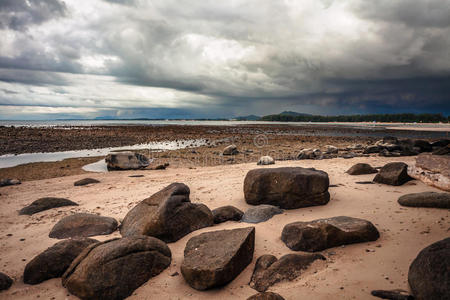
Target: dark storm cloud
19,14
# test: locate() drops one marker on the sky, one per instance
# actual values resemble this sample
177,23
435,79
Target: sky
215,59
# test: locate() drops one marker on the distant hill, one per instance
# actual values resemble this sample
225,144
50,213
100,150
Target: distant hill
293,113
248,118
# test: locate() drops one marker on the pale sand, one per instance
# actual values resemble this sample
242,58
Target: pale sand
351,273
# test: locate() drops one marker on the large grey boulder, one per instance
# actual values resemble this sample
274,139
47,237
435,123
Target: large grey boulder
126,161
322,234
433,170
429,273
114,269
168,215
394,173
54,261
426,199
213,259
361,169
45,204
260,213
83,225
286,187
270,270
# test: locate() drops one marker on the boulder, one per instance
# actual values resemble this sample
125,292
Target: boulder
429,273
310,154
390,140
230,150
265,160
360,169
5,281
8,181
45,204
54,261
114,269
286,187
321,234
372,149
260,213
168,215
442,151
85,181
394,173
392,294
440,143
126,161
423,146
432,169
227,213
270,270
83,225
265,296
213,259
329,149
426,199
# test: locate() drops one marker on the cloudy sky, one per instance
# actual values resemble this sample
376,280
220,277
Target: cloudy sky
191,59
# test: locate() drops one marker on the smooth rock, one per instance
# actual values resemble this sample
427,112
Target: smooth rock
114,269
310,154
85,181
423,146
126,161
426,199
394,173
5,281
83,225
8,181
360,169
45,204
265,296
168,215
329,149
270,270
213,259
54,261
260,213
265,160
433,170
286,187
227,213
392,294
321,234
429,273
230,150
372,149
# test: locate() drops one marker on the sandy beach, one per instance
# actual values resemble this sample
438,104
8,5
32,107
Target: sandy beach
350,272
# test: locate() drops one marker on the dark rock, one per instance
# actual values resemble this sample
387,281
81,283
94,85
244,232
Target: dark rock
213,259
286,187
126,161
426,199
83,225
360,169
322,234
230,150
85,181
5,281
168,215
136,176
372,149
260,213
310,154
115,268
442,151
45,204
394,173
227,213
432,169
54,261
390,140
429,273
364,182
392,295
424,146
265,296
268,270
440,143
8,181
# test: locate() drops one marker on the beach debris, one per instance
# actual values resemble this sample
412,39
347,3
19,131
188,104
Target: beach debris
394,173
230,150
85,181
213,259
126,161
115,268
265,160
54,261
321,234
266,296
392,294
360,169
287,188
45,203
429,276
227,213
270,270
5,281
83,225
168,215
310,154
432,169
9,181
426,199
260,213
